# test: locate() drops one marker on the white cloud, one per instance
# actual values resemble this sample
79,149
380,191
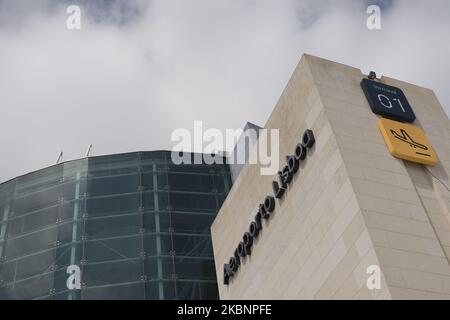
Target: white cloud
126,86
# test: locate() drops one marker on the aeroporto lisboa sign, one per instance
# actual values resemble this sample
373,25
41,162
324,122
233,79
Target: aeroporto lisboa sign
265,209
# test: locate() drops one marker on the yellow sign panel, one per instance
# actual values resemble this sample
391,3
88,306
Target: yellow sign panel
407,142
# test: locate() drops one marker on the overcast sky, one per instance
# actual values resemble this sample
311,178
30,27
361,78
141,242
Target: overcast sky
139,69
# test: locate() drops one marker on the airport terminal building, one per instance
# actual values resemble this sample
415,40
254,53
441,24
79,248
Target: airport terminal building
137,226
361,206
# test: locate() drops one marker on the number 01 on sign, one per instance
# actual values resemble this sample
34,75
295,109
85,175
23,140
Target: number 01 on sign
407,142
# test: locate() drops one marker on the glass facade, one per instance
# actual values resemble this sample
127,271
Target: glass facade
137,225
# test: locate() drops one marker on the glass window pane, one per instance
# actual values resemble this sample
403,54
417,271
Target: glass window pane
35,265
27,289
113,185
192,222
31,243
169,290
197,202
129,224
37,200
60,282
151,244
113,205
47,178
190,182
153,289
195,269
147,180
163,201
135,291
69,231
192,245
197,290
70,209
165,221
149,221
113,165
194,168
148,200
30,222
113,272
71,189
152,265
8,270
113,249
6,192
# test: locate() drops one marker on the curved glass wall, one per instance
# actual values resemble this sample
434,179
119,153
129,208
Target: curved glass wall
137,225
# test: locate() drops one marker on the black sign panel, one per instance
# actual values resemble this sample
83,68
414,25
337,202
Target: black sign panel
387,101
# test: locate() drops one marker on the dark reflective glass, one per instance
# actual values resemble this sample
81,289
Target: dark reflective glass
32,202
36,220
190,182
40,180
192,222
6,193
195,269
72,209
70,254
170,292
154,290
148,221
220,183
136,224
148,200
113,185
192,201
158,244
113,249
192,245
69,232
31,243
129,224
194,168
147,180
134,291
103,206
72,190
159,268
161,218
105,273
60,282
197,290
8,270
28,289
113,165
163,200
35,265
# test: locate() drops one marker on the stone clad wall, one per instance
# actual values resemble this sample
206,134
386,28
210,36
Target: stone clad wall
350,206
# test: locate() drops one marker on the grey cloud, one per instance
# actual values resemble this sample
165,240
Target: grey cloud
140,69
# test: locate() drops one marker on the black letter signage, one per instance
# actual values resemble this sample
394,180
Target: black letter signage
265,209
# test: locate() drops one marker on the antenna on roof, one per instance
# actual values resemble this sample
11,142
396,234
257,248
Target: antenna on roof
88,152
60,157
